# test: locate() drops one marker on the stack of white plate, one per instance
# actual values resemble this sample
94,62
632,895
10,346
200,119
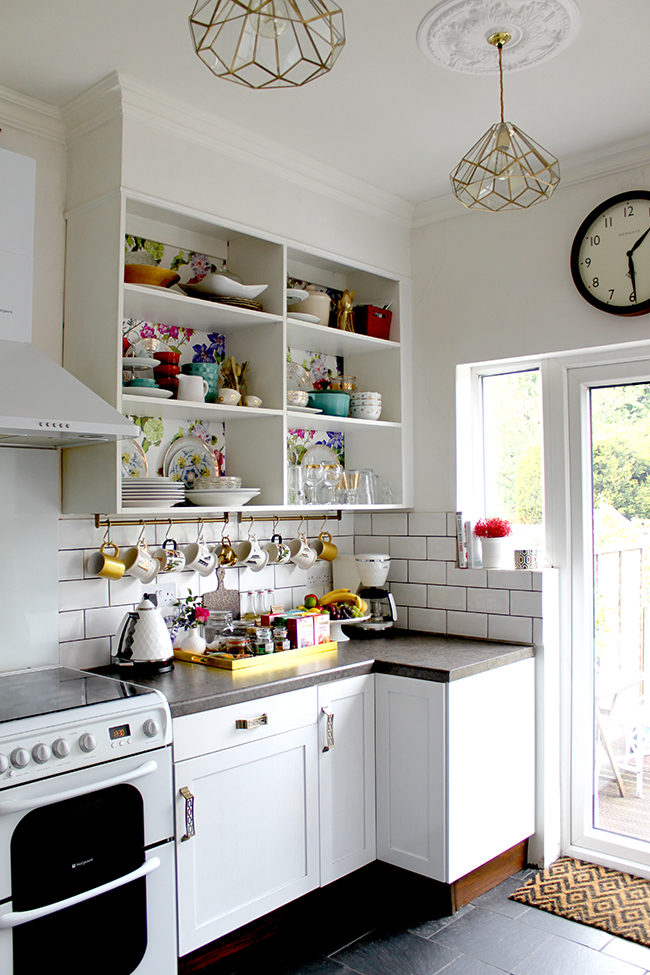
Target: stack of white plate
226,499
151,492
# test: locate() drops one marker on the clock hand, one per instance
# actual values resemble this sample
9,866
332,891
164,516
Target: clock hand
630,264
639,241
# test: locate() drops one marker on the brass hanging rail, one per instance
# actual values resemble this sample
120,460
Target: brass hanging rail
103,521
336,516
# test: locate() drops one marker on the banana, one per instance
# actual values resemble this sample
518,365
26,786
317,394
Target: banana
342,596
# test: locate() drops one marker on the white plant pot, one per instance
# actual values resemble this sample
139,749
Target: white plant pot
497,553
193,642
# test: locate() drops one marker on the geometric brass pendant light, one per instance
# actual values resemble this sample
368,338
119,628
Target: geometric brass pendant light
506,169
268,43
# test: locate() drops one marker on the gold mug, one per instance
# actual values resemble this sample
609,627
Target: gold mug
227,554
108,566
325,547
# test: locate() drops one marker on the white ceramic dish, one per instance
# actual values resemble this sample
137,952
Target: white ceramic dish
147,391
336,631
320,453
139,361
149,503
225,499
302,409
134,461
294,295
303,317
221,284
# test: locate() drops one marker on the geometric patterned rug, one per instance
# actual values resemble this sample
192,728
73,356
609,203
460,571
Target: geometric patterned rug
602,898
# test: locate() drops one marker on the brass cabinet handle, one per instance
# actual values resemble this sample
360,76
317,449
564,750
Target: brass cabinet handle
329,729
247,723
189,813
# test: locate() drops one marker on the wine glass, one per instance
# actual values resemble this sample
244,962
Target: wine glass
331,477
313,476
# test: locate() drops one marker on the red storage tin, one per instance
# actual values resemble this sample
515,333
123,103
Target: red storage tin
370,320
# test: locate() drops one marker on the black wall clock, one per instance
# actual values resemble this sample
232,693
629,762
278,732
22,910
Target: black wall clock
610,256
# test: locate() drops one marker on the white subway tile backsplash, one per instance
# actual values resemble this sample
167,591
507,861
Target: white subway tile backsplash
538,631
427,523
390,523
465,577
467,624
127,590
430,572
105,621
82,594
409,595
526,603
428,620
488,601
362,523
451,523
509,579
71,565
377,544
399,571
406,548
441,548
86,653
71,626
512,629
79,533
446,597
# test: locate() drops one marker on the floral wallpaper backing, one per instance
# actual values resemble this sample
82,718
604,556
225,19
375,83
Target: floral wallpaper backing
157,436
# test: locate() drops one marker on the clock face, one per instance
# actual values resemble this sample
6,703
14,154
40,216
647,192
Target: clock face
610,257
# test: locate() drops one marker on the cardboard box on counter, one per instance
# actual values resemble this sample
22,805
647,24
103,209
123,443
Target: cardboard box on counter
322,628
301,630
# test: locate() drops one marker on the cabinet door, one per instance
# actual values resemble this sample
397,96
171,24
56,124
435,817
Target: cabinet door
411,774
347,776
256,841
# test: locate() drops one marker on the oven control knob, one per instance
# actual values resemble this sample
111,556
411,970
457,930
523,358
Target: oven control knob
20,757
4,763
88,742
61,748
151,728
41,753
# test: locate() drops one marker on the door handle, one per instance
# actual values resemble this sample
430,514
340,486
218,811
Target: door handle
329,729
189,813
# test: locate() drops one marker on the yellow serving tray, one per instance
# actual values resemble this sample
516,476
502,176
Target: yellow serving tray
245,663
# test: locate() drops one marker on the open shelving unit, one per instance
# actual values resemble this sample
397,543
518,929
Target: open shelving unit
98,301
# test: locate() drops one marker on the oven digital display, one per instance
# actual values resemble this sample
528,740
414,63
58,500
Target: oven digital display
119,731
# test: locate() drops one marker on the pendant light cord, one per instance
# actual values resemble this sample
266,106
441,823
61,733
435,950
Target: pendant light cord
500,49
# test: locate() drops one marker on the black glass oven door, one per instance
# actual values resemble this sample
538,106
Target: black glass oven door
70,847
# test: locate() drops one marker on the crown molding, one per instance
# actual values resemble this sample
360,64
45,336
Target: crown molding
618,157
118,95
29,115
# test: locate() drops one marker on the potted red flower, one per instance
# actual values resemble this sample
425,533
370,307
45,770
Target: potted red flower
493,532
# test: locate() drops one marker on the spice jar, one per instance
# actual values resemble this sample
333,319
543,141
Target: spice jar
281,638
218,624
263,640
236,645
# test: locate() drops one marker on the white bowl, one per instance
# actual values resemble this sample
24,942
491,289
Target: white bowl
297,397
226,499
229,397
365,413
221,284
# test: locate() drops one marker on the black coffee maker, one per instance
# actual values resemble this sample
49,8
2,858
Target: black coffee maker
382,609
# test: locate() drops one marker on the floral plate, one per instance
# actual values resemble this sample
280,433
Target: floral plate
188,459
134,461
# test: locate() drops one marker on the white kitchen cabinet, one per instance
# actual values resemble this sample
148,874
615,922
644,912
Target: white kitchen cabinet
455,769
97,301
255,845
347,776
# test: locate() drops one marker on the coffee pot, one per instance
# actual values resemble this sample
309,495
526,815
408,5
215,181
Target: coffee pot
143,640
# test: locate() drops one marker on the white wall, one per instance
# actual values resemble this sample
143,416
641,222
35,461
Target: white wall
494,285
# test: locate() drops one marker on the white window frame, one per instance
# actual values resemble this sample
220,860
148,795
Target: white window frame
562,376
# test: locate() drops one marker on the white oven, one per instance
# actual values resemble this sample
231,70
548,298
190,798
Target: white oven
87,876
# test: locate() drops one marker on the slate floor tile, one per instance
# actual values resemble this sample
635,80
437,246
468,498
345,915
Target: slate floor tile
429,928
497,898
492,938
396,954
628,951
561,957
583,934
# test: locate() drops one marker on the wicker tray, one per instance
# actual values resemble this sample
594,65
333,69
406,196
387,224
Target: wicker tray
246,663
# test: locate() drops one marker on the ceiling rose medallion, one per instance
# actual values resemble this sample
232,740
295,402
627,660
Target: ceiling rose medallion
455,32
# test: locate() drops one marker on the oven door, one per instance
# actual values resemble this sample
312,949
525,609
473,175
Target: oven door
82,880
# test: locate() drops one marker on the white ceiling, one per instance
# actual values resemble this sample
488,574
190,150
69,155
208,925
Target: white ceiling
385,114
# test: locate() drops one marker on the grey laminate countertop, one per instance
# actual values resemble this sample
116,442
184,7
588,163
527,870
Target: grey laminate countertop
194,687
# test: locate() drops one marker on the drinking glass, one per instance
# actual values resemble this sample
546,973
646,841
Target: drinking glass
331,477
313,475
350,481
295,485
366,493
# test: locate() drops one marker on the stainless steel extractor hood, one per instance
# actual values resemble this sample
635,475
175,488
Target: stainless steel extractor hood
43,405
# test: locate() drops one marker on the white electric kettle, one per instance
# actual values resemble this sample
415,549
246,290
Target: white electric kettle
143,640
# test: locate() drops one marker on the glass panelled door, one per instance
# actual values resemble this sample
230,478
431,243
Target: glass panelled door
610,485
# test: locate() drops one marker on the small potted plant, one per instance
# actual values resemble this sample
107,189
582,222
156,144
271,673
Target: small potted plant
494,532
191,615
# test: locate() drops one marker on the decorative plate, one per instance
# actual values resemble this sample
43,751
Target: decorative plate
294,295
302,409
320,454
188,459
134,461
138,361
147,391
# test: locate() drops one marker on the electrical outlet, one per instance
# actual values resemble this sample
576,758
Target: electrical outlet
319,574
166,596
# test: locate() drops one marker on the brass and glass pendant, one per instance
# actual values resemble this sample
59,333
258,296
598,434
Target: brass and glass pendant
506,169
268,43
